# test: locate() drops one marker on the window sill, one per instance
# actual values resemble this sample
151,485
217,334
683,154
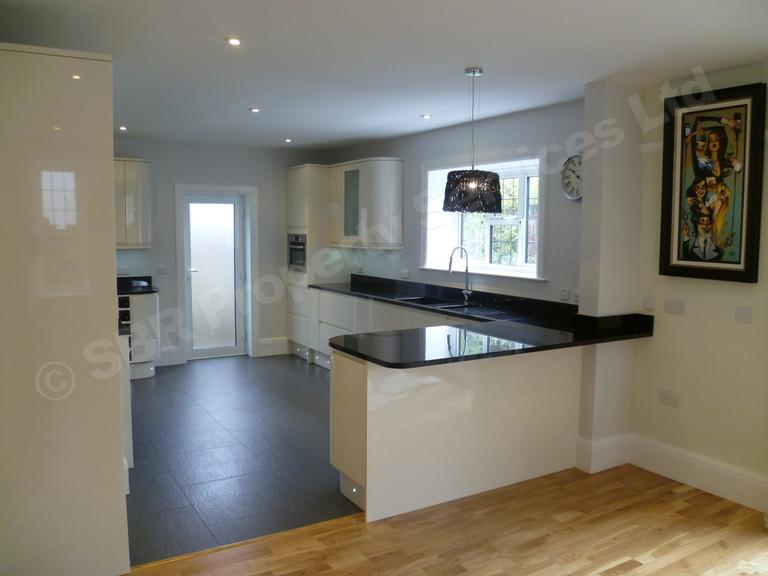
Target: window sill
485,272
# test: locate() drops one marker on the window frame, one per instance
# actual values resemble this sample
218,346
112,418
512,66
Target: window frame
524,169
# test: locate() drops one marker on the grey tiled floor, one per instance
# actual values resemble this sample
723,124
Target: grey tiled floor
229,449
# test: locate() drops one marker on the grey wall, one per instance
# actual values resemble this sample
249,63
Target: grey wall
182,163
515,136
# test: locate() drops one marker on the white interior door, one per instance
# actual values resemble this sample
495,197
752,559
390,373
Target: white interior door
215,274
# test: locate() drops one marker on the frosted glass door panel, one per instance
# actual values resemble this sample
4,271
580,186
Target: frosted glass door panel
212,275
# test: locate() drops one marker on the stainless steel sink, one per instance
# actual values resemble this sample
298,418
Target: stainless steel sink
422,300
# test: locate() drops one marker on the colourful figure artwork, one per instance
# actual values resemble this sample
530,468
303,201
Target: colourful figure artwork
712,184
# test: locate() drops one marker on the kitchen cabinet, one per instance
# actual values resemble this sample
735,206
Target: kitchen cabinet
421,319
378,316
366,204
306,191
132,203
329,314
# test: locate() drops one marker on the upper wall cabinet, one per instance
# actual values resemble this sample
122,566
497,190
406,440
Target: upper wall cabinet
366,204
132,203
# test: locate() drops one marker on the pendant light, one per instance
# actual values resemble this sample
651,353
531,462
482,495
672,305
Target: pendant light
472,190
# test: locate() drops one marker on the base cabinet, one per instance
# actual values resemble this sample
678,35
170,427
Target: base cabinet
325,315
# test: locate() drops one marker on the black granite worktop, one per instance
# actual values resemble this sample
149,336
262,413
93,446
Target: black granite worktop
417,347
504,325
128,285
485,306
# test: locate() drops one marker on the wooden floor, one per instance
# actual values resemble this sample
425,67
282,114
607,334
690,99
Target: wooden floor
623,521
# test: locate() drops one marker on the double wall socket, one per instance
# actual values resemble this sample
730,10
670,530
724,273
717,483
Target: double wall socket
674,306
669,398
743,314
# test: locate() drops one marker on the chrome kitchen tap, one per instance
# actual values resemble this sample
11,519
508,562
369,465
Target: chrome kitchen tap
467,292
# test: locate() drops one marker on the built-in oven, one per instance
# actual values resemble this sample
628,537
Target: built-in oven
297,252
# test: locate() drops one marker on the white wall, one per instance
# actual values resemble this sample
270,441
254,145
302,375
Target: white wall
515,136
184,163
719,367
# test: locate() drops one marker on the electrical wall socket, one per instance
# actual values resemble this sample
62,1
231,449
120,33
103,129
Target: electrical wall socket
743,314
674,306
565,295
669,398
405,274
649,303
575,296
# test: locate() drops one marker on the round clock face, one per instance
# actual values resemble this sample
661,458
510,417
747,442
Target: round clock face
570,176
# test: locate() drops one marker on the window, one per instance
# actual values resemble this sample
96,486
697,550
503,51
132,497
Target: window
504,244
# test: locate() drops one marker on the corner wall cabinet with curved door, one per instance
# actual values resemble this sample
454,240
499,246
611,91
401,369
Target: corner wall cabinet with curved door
366,204
133,186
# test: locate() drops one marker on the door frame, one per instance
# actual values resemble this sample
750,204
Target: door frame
241,196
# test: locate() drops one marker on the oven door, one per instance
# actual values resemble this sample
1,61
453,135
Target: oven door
297,256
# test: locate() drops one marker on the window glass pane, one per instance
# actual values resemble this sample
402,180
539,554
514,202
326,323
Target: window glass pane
492,240
474,236
504,244
510,197
532,217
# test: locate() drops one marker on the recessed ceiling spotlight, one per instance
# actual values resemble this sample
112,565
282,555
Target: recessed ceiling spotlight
288,140
75,76
425,116
56,129
234,41
254,110
123,128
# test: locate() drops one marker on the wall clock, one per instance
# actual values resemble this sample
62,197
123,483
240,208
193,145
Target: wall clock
570,176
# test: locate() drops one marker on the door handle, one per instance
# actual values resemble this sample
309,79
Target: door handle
194,270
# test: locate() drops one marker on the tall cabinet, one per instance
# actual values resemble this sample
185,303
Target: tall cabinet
61,485
307,213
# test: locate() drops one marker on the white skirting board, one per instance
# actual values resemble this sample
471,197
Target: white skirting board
271,347
595,455
726,480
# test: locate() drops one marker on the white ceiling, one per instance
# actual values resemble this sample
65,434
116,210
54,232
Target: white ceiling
331,71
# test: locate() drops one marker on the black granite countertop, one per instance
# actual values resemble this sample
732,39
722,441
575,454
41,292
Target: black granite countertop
505,325
486,306
128,285
417,347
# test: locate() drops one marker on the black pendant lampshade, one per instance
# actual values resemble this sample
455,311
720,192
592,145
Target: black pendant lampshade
472,191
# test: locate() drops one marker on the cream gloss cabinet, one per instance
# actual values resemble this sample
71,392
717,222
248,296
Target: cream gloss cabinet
61,433
133,185
366,204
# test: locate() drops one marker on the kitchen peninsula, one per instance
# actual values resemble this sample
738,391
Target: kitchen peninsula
426,415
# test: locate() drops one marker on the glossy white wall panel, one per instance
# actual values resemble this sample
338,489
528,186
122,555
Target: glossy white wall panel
61,486
442,432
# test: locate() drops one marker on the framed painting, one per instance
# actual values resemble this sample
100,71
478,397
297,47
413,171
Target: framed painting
712,184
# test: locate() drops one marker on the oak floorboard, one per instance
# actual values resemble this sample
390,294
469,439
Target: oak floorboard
621,522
